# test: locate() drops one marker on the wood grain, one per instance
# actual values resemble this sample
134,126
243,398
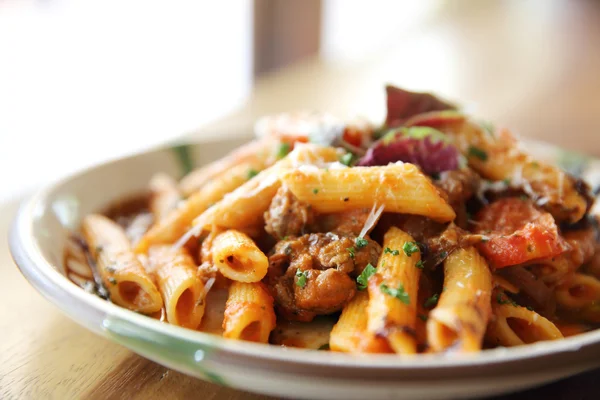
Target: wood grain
531,65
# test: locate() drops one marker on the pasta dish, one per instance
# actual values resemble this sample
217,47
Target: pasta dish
432,232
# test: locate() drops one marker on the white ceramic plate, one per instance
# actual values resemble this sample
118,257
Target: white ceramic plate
41,229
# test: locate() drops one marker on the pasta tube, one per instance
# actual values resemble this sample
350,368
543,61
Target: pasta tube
400,188
246,205
463,310
164,195
393,291
351,328
251,153
121,271
238,258
513,325
249,313
578,291
179,284
178,221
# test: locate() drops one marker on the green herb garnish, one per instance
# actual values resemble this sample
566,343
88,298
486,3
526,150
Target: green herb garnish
432,301
112,280
361,242
351,250
363,279
347,159
410,248
420,264
398,293
508,300
302,278
387,250
252,173
283,150
324,346
477,152
315,190
423,317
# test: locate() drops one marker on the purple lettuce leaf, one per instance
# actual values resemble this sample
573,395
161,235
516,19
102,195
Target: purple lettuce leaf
425,147
402,105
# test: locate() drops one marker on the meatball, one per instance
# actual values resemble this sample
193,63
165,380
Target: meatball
287,216
315,274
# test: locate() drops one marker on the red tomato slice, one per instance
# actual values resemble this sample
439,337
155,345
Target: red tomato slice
518,233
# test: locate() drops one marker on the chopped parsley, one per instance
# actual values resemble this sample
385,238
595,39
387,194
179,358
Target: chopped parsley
347,159
324,346
352,251
283,150
503,301
432,301
363,279
422,317
252,173
99,249
410,248
435,176
112,280
315,190
302,278
530,308
477,152
506,181
398,293
420,264
361,242
387,250
524,197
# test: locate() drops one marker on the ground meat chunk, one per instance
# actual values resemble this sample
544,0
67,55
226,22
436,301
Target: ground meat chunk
315,273
458,185
287,216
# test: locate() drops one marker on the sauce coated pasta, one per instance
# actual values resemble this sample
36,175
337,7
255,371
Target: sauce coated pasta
432,233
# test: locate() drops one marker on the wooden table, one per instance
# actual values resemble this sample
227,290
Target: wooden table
534,69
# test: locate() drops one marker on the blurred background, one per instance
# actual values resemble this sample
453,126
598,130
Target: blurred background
85,81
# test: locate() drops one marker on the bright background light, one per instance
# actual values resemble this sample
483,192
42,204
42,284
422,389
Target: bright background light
84,81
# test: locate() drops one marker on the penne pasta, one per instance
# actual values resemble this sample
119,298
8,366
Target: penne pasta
512,325
249,313
393,291
246,205
180,286
178,221
164,195
578,291
459,320
254,153
400,188
238,258
117,265
350,332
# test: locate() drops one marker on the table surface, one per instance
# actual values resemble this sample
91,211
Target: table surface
533,70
